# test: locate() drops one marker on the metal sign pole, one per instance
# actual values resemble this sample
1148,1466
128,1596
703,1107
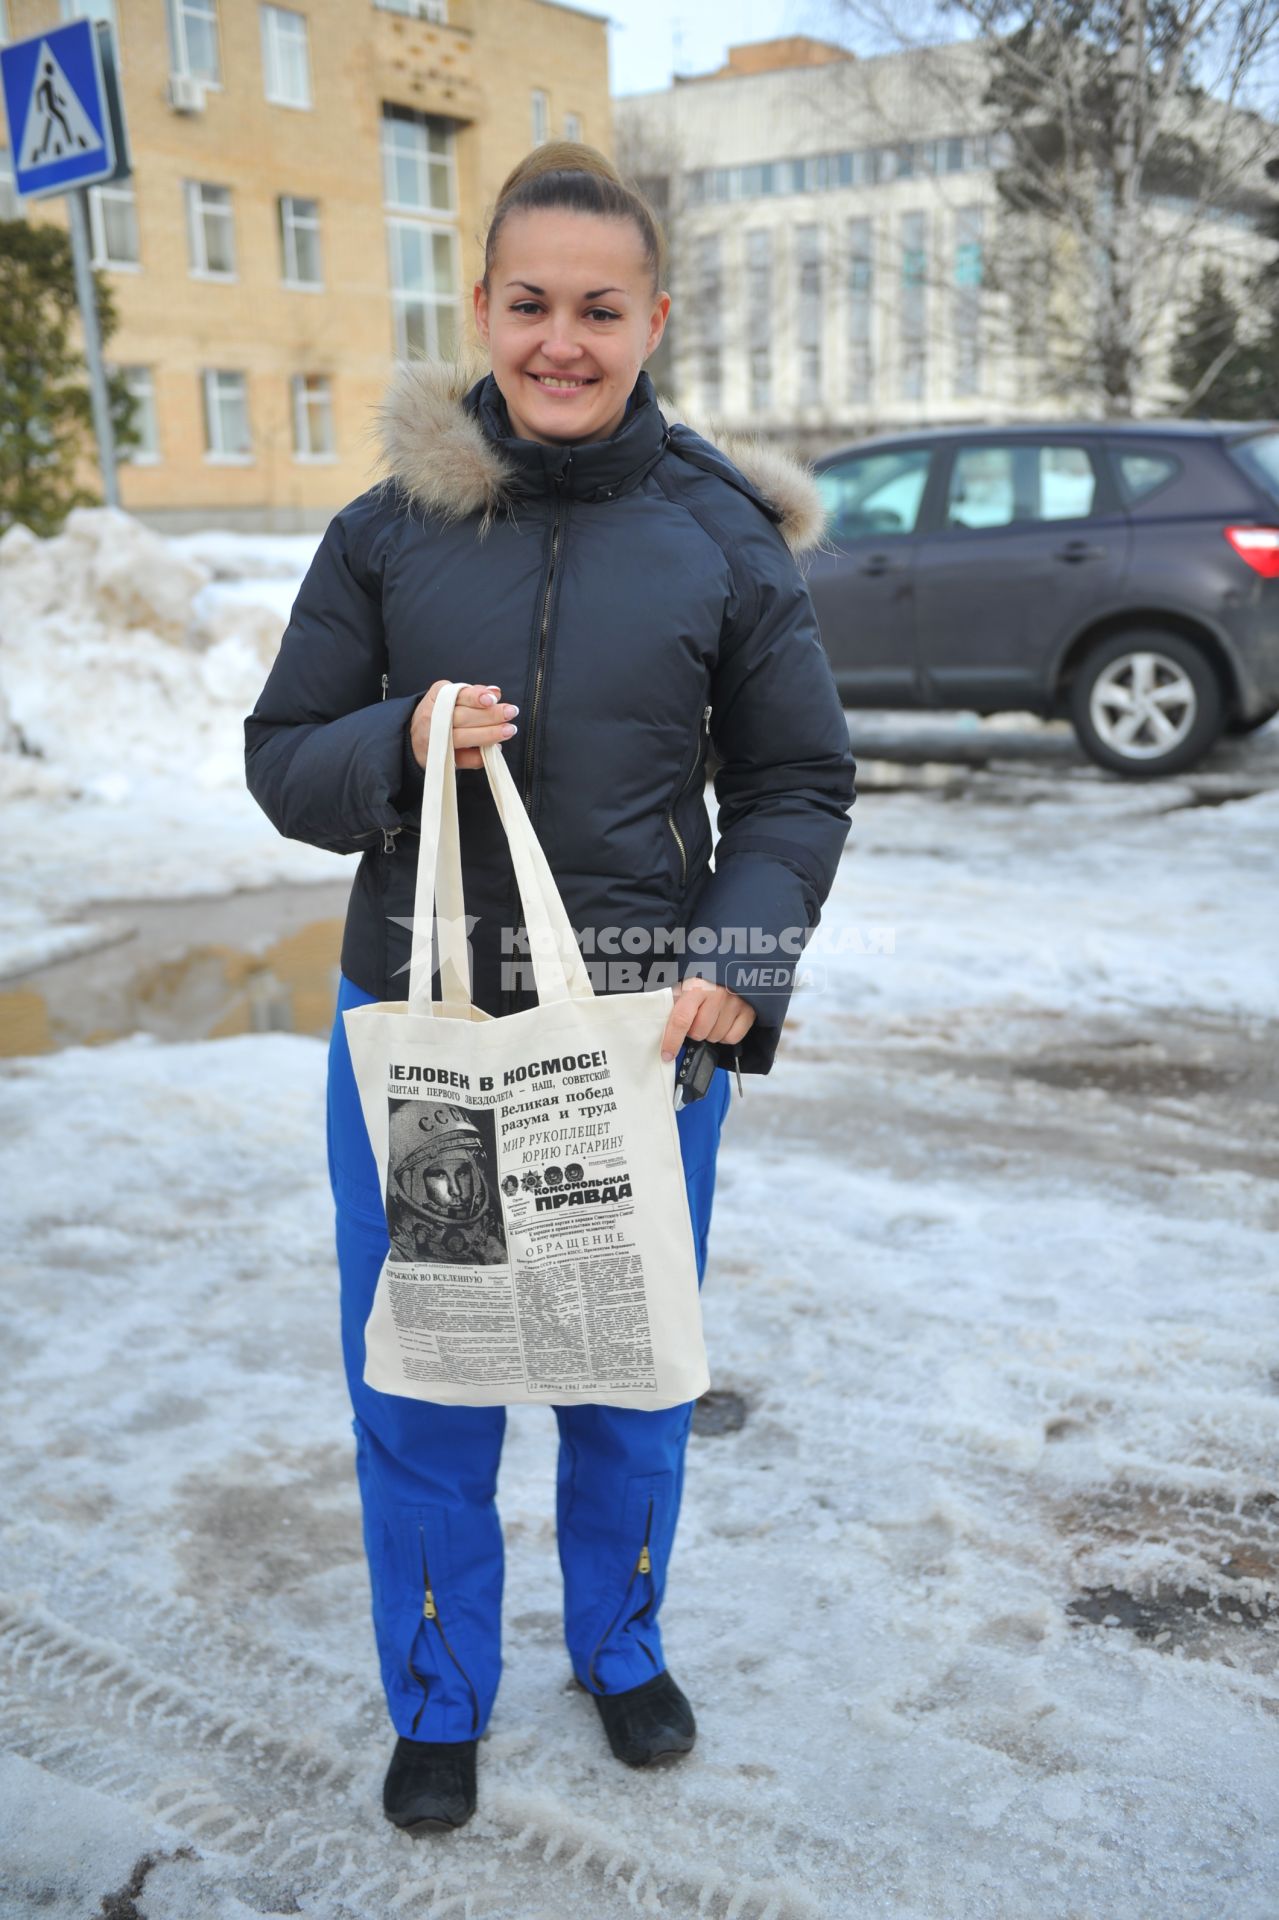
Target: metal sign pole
78,219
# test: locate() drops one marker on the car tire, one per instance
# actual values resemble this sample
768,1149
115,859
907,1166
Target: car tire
1145,703
1238,726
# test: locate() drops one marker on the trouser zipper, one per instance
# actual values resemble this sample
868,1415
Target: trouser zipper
644,1565
670,811
431,1612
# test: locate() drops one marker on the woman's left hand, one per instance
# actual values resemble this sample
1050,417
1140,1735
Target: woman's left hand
704,1012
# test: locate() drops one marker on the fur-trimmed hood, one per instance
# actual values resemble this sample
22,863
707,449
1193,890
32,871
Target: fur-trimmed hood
440,455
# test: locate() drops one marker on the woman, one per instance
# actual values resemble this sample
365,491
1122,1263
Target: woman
631,595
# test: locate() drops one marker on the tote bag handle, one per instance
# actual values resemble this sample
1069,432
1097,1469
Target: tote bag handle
558,969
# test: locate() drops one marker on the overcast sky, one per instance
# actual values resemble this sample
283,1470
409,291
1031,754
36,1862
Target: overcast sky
649,40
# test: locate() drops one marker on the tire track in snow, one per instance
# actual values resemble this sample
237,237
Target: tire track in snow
79,1705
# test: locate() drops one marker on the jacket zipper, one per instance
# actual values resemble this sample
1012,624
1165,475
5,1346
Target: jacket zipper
388,833
531,734
542,632
430,1611
670,811
643,1565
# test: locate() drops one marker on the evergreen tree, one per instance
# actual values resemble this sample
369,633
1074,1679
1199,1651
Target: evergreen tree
46,415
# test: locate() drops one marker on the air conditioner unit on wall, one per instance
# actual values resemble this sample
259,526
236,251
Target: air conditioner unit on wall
185,94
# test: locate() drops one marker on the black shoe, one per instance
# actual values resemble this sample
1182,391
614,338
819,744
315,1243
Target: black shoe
430,1785
649,1722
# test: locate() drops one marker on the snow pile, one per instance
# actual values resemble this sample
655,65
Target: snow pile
117,659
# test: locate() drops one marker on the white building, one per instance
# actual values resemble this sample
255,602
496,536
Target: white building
832,224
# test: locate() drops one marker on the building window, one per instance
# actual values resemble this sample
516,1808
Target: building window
911,317
226,416
113,225
91,10
572,126
11,207
141,384
418,168
808,261
193,40
299,227
759,317
286,60
967,300
861,297
707,305
210,238
424,289
420,176
313,417
434,10
540,106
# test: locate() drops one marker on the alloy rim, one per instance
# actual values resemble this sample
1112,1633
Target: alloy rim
1143,705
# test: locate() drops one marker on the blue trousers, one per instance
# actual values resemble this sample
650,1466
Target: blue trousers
427,1476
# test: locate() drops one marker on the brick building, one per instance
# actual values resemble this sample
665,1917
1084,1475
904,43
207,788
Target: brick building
309,193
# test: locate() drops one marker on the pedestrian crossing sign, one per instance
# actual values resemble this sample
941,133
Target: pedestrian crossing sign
56,101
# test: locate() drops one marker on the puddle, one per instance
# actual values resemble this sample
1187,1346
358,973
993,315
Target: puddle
719,1411
199,969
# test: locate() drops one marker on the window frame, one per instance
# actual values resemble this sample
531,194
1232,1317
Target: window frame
903,449
286,227
195,225
536,95
114,190
175,12
270,13
1116,450
300,412
1105,501
134,375
412,116
216,457
400,297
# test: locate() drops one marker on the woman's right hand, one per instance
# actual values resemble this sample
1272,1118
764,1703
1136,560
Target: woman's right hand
478,719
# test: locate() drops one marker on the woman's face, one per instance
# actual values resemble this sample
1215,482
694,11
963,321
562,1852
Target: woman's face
572,300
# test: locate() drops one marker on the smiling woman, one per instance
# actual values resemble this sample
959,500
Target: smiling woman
634,588
566,366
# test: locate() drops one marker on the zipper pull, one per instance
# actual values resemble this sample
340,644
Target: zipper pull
428,1606
645,1564
388,838
385,683
738,1071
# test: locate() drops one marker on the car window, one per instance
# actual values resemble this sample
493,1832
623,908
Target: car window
1259,458
874,493
1003,486
1141,474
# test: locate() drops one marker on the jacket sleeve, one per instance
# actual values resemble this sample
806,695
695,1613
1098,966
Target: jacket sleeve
784,789
325,754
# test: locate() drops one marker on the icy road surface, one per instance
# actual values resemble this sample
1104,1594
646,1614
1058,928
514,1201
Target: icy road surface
977,1607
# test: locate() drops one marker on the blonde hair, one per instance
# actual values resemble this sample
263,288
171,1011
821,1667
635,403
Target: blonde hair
580,179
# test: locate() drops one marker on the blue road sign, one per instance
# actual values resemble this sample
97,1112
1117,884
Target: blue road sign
56,101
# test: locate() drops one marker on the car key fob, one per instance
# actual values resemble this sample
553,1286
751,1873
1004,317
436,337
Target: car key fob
696,1071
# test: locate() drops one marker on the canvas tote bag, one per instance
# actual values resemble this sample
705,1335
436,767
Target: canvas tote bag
541,1245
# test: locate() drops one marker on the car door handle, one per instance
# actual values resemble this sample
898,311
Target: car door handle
1076,550
876,563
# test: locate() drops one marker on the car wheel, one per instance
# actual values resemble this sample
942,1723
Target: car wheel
1251,726
1146,703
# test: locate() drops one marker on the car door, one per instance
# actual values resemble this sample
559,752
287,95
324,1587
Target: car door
863,591
1027,540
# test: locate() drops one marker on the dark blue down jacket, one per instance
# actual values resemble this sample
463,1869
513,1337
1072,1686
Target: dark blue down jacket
637,598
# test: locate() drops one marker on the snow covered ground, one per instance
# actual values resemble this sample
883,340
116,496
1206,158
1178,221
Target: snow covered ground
978,1607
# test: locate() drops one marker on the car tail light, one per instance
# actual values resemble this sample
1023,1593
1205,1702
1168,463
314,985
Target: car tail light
1259,547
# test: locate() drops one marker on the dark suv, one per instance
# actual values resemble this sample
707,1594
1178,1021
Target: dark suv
1126,576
